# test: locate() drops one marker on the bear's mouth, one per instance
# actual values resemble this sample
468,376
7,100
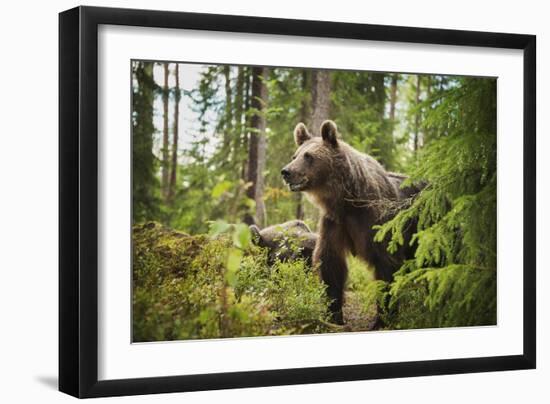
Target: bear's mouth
298,186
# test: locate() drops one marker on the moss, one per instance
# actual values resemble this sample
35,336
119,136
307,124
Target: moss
181,290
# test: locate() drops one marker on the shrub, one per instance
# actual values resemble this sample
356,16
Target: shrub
452,279
188,287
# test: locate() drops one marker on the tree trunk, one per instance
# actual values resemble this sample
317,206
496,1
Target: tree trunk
228,118
247,96
382,145
143,129
428,131
257,145
239,100
320,99
165,141
379,95
393,97
304,115
417,115
174,167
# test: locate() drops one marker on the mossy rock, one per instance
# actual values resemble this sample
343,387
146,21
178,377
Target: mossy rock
165,251
181,290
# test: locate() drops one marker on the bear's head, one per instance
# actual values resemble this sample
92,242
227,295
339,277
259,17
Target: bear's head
311,165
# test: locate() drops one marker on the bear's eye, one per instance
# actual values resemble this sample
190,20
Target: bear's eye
308,157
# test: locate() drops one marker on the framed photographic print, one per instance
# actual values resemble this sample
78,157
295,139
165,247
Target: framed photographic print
250,201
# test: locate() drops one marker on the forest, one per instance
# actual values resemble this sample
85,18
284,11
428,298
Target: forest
208,145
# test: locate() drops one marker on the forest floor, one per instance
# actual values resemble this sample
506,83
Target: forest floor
178,280
356,317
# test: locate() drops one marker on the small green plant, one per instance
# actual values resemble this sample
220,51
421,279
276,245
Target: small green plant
219,286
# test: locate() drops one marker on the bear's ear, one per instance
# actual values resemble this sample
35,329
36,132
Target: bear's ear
255,232
329,132
301,134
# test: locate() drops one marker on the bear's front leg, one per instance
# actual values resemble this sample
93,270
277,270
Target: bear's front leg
330,255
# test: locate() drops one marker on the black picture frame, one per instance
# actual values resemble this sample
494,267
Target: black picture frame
78,201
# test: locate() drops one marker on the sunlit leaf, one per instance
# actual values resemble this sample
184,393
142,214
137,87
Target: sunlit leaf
218,227
242,236
221,188
234,257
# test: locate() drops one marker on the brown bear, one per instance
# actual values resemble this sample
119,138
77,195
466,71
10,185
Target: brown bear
286,241
353,193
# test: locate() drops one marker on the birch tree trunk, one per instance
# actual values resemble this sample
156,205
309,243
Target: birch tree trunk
165,140
257,145
174,165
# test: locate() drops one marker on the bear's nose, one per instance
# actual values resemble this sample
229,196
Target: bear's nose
285,173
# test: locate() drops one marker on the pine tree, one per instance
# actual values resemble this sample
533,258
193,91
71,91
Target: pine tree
360,103
452,279
144,183
165,139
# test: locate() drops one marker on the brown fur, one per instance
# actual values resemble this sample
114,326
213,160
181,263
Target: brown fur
354,193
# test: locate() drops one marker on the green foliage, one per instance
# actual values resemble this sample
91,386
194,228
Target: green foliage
440,130
188,287
451,296
290,99
452,279
359,100
365,297
295,294
359,274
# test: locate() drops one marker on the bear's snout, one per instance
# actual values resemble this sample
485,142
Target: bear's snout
296,180
285,172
